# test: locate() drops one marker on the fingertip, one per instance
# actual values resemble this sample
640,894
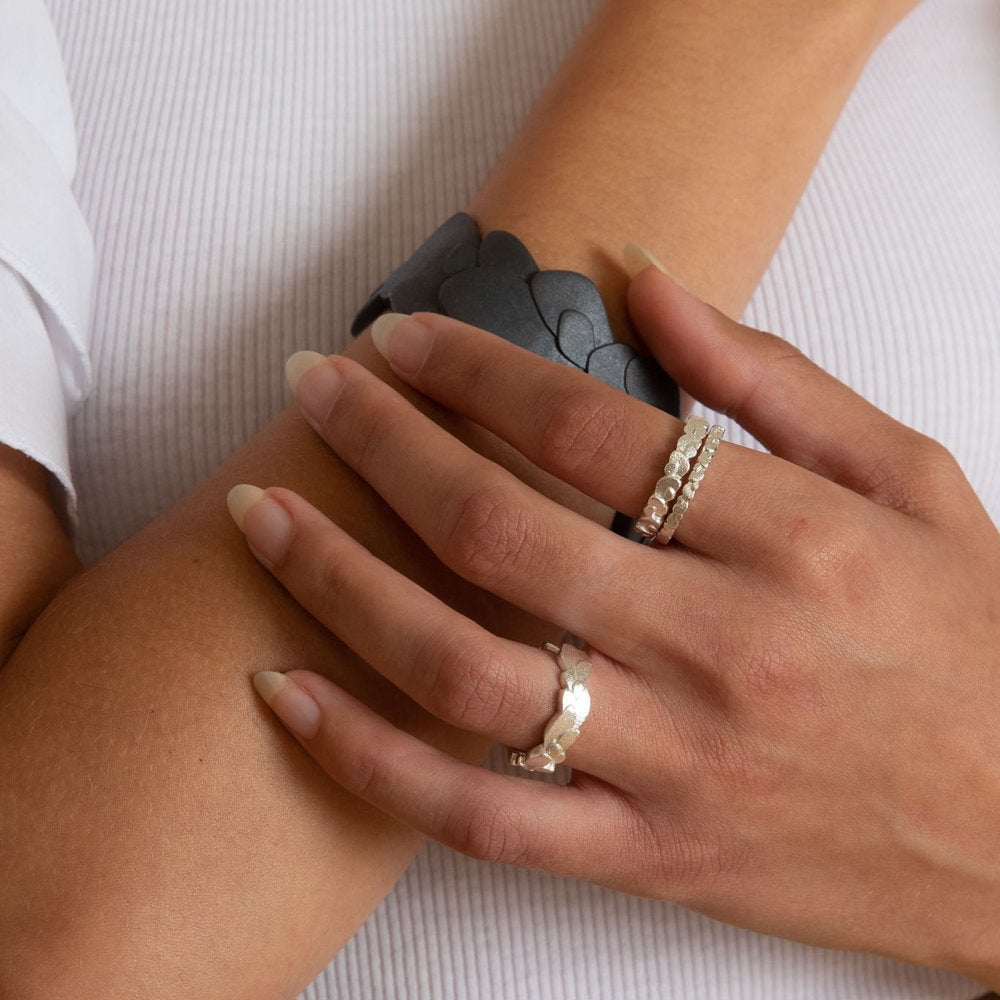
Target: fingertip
267,683
382,328
268,526
404,342
298,364
637,258
289,701
240,499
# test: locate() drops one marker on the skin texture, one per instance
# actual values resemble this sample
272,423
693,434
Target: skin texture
163,835
743,758
35,551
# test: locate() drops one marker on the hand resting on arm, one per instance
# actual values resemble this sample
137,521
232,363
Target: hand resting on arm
162,834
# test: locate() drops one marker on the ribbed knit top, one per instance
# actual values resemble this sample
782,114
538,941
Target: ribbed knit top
251,170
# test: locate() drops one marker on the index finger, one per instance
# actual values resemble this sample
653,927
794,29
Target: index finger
605,443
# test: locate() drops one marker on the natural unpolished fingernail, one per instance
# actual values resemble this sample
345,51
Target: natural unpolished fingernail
637,258
298,364
402,341
264,521
240,499
315,383
289,702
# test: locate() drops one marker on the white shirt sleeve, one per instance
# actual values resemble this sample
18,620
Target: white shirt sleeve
46,252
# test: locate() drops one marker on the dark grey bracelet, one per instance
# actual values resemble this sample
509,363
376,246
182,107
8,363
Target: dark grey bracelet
494,283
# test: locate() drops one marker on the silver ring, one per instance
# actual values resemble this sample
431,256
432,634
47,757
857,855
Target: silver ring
574,707
697,474
678,464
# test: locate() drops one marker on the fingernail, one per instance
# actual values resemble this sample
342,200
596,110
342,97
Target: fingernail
290,703
315,383
638,258
402,341
298,364
240,499
264,521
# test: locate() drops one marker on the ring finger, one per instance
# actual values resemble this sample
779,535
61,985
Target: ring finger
496,532
456,670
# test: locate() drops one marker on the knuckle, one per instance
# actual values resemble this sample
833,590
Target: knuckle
484,828
935,470
716,751
472,685
327,586
763,671
687,857
776,354
764,667
822,552
780,354
681,861
365,776
478,373
581,430
366,442
489,535
923,473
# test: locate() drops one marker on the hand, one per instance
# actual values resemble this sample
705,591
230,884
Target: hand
793,723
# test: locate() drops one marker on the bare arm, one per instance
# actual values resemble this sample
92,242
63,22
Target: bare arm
162,834
35,552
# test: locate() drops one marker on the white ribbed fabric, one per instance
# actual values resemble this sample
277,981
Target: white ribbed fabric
252,170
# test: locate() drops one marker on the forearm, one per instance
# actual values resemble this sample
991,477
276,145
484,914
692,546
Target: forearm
158,823
155,820
690,127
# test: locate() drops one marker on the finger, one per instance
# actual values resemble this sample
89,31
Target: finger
573,831
791,405
492,529
601,441
458,671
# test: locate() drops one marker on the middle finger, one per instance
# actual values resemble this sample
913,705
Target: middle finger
609,445
497,532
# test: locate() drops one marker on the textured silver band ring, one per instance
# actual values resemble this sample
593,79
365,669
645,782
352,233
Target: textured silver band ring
690,487
563,728
678,464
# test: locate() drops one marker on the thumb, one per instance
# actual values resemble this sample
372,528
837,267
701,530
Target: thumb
792,406
717,360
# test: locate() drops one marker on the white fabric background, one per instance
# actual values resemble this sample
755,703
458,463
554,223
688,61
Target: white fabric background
252,169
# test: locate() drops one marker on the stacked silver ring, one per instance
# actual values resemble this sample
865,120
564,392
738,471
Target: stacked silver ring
664,509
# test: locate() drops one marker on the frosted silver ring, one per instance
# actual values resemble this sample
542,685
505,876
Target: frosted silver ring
563,729
690,487
667,487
